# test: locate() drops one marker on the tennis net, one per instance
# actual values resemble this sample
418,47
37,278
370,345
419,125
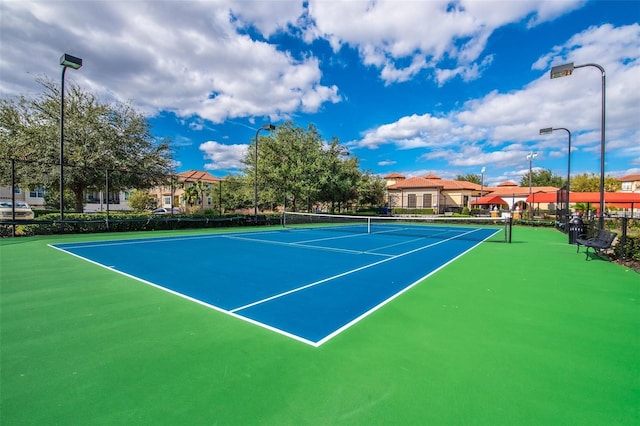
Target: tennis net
468,228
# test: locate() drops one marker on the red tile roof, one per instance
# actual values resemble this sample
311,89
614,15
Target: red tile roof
197,176
421,182
394,176
629,178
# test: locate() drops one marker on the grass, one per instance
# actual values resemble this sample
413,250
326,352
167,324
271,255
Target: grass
527,333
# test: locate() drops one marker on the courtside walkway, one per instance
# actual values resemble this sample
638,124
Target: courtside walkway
527,333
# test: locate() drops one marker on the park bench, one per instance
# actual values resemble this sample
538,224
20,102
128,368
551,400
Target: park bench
599,244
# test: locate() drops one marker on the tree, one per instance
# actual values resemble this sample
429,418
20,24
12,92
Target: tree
471,178
371,190
141,201
591,183
288,162
191,195
100,138
542,177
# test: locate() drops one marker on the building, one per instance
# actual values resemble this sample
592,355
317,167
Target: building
429,192
443,196
35,198
630,183
172,195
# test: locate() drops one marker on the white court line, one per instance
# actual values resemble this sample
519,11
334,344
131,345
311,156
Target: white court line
298,244
192,299
370,265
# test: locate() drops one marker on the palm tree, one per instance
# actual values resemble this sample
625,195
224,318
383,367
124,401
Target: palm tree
191,195
201,190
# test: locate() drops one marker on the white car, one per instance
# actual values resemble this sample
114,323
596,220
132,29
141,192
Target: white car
22,211
163,210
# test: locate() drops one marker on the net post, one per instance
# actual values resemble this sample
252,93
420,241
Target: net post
368,225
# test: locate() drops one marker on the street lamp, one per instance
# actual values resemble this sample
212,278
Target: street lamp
482,181
67,61
268,127
548,131
530,157
565,70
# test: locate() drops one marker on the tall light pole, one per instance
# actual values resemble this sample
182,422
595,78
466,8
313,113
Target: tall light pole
548,131
565,70
67,61
482,181
268,127
530,157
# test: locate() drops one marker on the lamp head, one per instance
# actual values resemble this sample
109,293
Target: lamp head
70,61
562,70
546,131
269,127
483,170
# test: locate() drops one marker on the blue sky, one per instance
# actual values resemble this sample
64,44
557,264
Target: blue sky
414,87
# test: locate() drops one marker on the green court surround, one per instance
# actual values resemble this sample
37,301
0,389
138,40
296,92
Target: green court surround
527,333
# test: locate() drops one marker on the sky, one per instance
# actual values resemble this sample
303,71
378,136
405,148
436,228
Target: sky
408,86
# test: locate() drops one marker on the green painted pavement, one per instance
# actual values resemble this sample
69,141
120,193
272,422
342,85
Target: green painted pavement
527,333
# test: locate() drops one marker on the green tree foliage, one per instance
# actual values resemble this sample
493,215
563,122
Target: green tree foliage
470,178
371,190
97,137
542,177
591,183
297,165
141,200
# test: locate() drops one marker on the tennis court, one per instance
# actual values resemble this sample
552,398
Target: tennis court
309,280
527,333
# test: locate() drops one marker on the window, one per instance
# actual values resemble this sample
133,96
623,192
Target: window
427,200
411,201
626,186
166,200
37,193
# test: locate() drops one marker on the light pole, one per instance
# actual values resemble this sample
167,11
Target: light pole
482,181
342,152
268,127
565,70
548,131
67,61
530,157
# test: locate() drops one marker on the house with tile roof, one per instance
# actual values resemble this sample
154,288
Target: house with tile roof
630,183
443,195
429,192
169,196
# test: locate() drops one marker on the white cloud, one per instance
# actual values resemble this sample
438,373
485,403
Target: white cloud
190,58
223,157
389,34
511,121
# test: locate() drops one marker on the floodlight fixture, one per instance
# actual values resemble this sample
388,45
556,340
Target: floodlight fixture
70,61
562,70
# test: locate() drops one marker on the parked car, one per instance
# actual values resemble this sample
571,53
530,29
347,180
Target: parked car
22,211
164,210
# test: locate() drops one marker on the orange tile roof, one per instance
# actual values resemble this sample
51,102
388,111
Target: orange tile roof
629,178
197,176
394,176
421,182
508,183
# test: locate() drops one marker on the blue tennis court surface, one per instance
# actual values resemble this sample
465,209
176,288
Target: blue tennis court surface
308,284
